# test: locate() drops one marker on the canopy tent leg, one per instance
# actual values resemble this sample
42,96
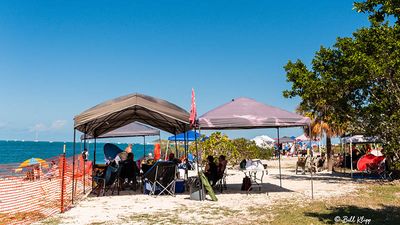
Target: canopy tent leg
94,160
186,156
176,147
351,159
312,180
73,167
159,141
166,151
345,154
197,166
84,181
279,155
144,147
342,152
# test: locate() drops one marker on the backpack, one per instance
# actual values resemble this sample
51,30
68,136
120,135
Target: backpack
246,185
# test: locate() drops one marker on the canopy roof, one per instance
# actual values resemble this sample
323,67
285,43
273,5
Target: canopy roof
302,137
360,139
190,136
286,139
246,113
131,130
124,110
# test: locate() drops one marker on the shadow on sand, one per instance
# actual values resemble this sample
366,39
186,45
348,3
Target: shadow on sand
323,177
232,188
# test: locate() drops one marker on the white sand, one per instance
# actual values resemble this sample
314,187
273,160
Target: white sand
129,206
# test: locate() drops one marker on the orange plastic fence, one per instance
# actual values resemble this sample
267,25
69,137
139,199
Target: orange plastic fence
31,193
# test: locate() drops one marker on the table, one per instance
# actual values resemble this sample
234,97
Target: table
256,181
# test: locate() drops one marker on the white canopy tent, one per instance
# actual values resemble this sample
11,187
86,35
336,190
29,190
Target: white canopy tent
263,141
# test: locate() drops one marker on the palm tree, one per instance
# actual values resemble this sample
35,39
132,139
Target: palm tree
319,128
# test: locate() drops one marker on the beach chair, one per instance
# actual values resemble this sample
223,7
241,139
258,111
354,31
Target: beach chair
161,178
301,162
320,164
108,179
221,183
379,170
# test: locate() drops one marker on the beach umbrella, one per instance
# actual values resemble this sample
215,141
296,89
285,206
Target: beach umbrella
369,159
32,162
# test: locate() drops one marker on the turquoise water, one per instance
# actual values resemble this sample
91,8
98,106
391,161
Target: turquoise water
18,151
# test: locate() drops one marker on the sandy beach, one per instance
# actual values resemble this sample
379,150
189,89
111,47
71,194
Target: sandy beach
233,206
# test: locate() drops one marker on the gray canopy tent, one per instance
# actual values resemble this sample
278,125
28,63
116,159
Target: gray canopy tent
246,113
135,129
116,113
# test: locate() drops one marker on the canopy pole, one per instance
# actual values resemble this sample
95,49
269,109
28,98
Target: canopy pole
159,141
144,146
345,151
351,159
312,181
94,150
279,155
166,151
94,160
84,148
187,161
342,151
73,166
197,166
176,147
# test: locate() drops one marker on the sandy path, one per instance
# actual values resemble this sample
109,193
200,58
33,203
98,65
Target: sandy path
134,208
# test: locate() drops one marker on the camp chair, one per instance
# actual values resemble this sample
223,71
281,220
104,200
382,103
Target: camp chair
108,179
320,163
301,162
129,172
161,178
221,183
379,169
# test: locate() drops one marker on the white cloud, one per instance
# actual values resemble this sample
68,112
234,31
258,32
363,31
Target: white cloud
55,125
38,127
58,124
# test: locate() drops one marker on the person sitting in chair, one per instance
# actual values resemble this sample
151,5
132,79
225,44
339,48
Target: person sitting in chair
211,170
171,157
221,166
122,156
130,170
150,159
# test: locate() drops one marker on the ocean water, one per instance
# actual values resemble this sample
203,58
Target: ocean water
19,151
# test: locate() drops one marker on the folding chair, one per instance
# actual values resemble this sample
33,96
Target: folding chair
301,162
379,169
161,178
221,183
108,179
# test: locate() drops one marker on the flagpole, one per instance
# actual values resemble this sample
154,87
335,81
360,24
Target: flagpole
194,124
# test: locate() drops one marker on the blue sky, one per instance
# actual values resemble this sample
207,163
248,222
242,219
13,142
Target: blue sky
58,58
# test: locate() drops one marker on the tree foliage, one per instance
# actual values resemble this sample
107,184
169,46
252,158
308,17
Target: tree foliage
235,150
355,85
379,10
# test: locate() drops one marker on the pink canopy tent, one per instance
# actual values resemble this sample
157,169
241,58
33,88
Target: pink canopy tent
246,113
